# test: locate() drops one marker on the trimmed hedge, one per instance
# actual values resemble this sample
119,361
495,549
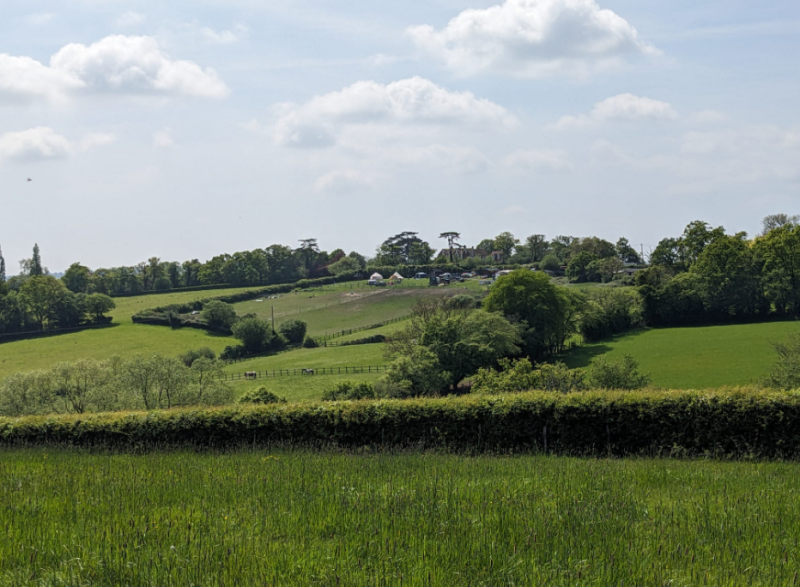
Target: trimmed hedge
742,422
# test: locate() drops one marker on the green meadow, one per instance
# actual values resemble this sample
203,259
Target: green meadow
293,517
694,357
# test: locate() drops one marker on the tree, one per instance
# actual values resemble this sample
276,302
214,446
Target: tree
536,244
598,247
77,278
254,333
779,251
35,268
551,263
626,253
417,374
293,331
785,374
38,295
402,249
191,271
307,252
486,244
667,254
697,236
451,238
580,267
2,268
607,268
79,387
344,266
545,311
98,304
623,374
777,221
505,242
219,315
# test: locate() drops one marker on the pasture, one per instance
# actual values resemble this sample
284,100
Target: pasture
694,357
123,338
293,517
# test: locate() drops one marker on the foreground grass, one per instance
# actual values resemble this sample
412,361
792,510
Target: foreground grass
697,357
305,518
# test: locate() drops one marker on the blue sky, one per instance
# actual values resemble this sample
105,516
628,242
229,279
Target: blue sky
186,129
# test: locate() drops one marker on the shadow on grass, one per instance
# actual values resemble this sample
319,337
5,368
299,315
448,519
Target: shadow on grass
581,356
53,333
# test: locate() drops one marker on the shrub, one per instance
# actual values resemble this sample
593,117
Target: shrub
349,390
551,263
785,374
375,338
293,331
608,312
192,355
623,374
418,373
520,375
260,396
309,343
255,335
219,315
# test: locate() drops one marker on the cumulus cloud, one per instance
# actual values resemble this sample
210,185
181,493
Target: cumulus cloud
538,160
620,107
343,181
226,37
163,139
410,101
130,19
118,63
44,143
533,38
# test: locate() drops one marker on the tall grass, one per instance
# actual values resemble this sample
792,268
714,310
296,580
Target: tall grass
284,517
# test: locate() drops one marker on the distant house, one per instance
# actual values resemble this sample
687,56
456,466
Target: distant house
462,253
497,256
628,271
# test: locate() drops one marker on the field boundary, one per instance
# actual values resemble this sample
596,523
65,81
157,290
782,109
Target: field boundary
11,336
322,340
307,372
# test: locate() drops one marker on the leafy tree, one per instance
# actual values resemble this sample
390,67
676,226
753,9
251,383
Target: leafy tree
777,221
36,268
487,245
79,387
163,283
349,390
38,295
344,266
505,242
520,375
418,373
219,315
546,312
608,312
307,252
696,237
191,270
189,357
77,278
560,247
598,247
362,262
2,270
785,374
551,263
67,309
626,253
580,267
667,254
254,333
98,304
779,250
536,245
293,331
400,249
608,268
260,396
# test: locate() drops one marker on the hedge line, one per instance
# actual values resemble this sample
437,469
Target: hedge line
678,423
161,314
176,290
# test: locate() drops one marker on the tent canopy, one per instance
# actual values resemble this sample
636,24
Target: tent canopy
376,276
396,275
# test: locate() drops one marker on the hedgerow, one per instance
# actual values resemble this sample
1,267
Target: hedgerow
735,422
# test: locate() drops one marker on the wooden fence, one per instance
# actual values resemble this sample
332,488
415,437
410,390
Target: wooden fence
250,375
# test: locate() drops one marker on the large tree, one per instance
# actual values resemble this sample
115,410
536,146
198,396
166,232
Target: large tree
39,296
536,245
77,278
505,242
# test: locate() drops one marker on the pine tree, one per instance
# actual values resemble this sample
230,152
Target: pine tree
2,267
36,262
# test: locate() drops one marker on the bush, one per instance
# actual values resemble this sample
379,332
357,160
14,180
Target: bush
294,331
309,343
260,396
416,374
349,390
624,374
255,335
785,374
219,315
375,338
520,375
610,311
740,422
191,356
551,263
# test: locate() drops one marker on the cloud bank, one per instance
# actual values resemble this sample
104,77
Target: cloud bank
620,107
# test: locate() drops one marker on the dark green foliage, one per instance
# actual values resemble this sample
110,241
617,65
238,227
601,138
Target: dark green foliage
219,315
747,422
309,343
98,304
608,312
260,396
190,356
294,331
582,267
786,372
520,375
255,335
349,390
551,263
375,338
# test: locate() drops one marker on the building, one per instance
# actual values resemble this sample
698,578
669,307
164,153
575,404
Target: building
463,253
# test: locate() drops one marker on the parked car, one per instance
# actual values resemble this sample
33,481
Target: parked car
421,275
372,282
467,274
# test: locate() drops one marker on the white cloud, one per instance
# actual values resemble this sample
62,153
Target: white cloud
130,19
44,143
620,107
533,38
40,19
226,37
538,160
163,139
410,101
118,63
343,181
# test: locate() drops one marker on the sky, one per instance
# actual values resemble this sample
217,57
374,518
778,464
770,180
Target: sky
186,129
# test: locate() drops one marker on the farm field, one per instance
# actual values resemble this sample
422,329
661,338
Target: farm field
349,305
292,517
123,338
695,357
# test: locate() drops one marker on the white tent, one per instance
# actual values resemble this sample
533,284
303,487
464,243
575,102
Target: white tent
376,276
397,276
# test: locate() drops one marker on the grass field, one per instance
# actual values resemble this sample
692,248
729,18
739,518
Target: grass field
349,305
696,357
279,517
124,338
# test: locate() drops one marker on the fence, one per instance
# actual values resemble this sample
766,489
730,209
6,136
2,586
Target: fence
326,337
250,375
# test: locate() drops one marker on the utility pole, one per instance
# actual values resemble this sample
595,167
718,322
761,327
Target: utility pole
273,319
